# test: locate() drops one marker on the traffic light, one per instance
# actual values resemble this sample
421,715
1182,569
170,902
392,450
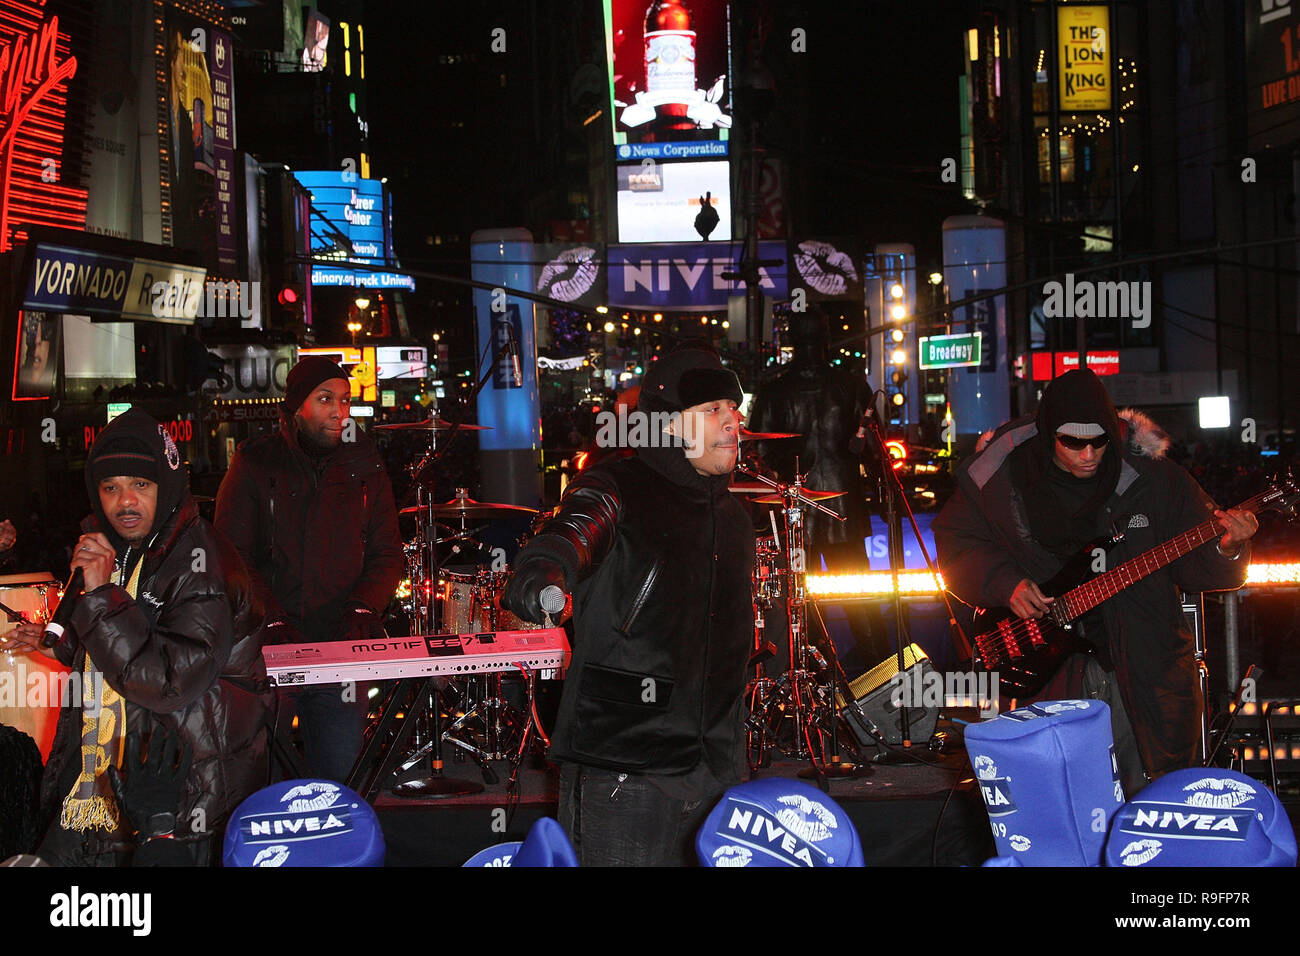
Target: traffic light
290,300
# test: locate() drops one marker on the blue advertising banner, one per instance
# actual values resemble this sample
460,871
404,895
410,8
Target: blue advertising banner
688,276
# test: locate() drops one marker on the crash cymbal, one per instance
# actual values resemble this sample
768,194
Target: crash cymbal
430,425
746,435
469,508
809,493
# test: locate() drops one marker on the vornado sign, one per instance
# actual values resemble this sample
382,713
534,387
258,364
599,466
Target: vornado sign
86,282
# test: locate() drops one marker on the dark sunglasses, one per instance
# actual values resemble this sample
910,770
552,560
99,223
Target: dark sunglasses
1079,444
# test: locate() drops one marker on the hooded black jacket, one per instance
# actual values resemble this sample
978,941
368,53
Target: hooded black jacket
658,559
985,548
185,654
317,535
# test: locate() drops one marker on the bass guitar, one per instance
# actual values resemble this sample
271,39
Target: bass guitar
1025,653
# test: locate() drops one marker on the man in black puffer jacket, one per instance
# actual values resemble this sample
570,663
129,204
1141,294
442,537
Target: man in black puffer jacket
167,634
657,554
310,510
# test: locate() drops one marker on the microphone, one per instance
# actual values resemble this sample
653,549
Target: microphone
859,440
513,346
58,623
552,599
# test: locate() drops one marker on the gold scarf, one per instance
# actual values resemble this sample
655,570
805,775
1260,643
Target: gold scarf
90,805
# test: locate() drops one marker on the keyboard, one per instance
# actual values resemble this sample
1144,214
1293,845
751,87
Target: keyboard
420,655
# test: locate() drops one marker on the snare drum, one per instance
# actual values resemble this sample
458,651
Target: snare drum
35,714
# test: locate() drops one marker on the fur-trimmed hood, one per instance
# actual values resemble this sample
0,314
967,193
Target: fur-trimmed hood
1142,435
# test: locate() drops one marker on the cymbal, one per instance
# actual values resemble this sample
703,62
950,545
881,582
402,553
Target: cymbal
746,435
430,425
469,508
809,493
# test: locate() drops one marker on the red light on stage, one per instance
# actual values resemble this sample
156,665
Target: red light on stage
897,451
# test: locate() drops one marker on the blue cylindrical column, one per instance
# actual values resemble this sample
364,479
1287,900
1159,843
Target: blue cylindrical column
508,454
975,260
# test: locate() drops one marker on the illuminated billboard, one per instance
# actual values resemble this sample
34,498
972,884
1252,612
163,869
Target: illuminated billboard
350,224
35,65
669,73
361,364
198,77
674,202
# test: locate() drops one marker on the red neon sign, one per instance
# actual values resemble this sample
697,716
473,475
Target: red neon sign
35,67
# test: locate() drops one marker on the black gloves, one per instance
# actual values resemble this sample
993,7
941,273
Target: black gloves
522,596
361,624
148,793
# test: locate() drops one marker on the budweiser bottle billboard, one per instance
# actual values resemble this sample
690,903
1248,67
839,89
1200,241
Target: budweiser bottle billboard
670,58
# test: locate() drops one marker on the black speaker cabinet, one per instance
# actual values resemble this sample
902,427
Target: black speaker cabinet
880,692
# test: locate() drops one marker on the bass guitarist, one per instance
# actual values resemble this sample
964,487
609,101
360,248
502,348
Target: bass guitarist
1041,490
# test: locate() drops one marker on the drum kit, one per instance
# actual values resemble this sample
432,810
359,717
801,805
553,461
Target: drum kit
451,591
454,587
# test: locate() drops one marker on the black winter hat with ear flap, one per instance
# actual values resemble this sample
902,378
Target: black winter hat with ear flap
687,377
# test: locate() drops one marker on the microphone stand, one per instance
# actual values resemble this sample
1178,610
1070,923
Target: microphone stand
887,488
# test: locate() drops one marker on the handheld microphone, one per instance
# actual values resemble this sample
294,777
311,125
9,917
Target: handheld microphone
58,623
552,599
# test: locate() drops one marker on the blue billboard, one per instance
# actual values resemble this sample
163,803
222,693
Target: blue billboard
350,224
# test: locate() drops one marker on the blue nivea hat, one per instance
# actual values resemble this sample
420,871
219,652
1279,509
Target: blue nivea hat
1202,817
778,822
304,823
1049,779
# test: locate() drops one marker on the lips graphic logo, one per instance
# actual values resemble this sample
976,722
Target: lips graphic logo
569,275
1139,852
1061,706
806,819
731,855
1018,842
312,797
825,268
271,855
985,768
1218,792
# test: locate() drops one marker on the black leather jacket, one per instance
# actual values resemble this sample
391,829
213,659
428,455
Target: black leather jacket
658,559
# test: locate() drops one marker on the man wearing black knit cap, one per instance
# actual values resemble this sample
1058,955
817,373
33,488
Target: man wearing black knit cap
310,509
166,637
1046,486
657,554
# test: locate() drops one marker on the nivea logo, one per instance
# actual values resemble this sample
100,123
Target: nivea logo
997,796
1189,824
312,825
758,829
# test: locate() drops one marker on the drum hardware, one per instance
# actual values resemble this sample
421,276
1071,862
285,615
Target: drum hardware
793,708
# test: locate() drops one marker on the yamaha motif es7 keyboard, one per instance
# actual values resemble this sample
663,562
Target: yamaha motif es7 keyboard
420,655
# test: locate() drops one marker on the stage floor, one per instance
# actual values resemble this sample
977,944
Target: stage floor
906,813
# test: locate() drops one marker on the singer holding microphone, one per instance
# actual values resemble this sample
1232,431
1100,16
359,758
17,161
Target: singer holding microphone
161,631
657,554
